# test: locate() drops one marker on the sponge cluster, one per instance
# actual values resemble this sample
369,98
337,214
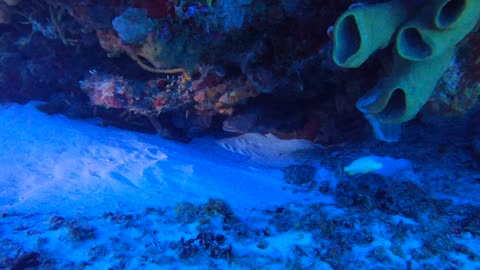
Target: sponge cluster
424,35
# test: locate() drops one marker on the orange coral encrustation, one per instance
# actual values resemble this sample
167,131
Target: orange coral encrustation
149,51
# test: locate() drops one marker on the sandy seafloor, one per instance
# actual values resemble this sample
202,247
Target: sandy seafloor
74,195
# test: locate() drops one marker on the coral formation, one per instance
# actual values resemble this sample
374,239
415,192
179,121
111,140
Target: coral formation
149,51
149,98
241,66
133,25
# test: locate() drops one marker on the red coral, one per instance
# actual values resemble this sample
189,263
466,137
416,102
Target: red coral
160,102
107,91
162,83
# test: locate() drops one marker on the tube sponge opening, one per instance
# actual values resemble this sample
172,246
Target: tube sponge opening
349,39
438,28
363,29
400,96
449,13
411,45
396,106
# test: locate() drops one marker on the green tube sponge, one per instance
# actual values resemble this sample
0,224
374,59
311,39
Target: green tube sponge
450,13
363,29
440,27
399,97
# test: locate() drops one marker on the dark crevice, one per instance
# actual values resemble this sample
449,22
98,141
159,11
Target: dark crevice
450,12
396,105
412,45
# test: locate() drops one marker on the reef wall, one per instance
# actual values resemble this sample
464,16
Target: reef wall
185,68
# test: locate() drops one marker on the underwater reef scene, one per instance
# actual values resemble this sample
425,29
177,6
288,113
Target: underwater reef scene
239,134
